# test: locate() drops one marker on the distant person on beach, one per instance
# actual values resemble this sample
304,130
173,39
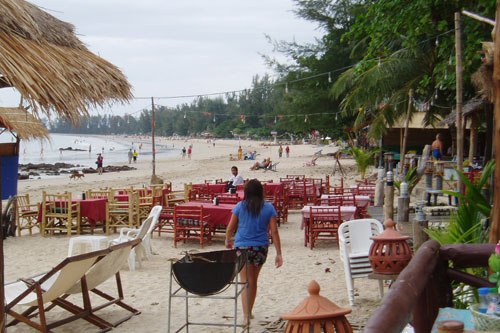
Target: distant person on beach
265,163
250,221
287,150
183,152
130,155
134,155
236,179
189,152
99,163
437,148
240,153
280,151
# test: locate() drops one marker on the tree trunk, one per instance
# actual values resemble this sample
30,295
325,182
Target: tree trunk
473,138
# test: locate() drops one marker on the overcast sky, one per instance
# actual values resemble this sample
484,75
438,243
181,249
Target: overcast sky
182,47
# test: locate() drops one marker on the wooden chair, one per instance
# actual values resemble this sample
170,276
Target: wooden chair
122,213
59,213
349,200
145,204
35,292
201,194
324,224
190,223
228,198
26,214
336,200
166,221
97,194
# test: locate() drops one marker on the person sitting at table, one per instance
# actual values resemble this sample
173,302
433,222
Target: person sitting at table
236,179
265,163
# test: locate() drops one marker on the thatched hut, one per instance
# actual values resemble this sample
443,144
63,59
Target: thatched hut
53,71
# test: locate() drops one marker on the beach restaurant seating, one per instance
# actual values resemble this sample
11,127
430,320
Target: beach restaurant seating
59,213
26,214
143,249
228,198
354,244
122,213
37,291
190,223
97,194
323,224
145,203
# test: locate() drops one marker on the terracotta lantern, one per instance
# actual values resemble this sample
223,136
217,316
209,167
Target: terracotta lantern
317,314
390,252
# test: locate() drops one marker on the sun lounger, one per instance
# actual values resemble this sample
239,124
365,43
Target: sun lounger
35,292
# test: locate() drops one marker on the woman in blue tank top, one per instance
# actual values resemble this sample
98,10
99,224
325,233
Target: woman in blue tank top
251,220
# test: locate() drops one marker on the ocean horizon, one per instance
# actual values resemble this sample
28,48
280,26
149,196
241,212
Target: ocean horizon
84,149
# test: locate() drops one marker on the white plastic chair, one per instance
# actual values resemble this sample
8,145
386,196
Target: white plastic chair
354,244
143,249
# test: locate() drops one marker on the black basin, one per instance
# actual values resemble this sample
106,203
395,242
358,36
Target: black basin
208,273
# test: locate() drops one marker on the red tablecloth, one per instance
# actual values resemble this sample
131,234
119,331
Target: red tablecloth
218,215
274,186
92,209
214,188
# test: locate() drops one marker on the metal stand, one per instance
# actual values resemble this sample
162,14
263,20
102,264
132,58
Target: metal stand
238,286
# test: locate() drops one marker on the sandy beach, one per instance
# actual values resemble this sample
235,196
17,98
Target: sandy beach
147,288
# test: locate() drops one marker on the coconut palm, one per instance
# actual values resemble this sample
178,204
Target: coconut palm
364,158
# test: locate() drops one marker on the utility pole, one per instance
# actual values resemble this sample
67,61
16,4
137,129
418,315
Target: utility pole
460,129
153,134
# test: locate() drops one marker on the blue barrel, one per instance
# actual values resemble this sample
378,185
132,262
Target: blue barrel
9,171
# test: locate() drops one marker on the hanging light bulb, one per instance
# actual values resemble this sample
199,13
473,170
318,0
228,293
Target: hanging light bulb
214,117
329,77
437,41
128,119
88,125
450,61
379,61
305,118
286,88
275,120
436,96
185,115
336,116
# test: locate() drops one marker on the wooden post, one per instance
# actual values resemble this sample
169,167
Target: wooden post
495,223
379,189
403,147
473,138
2,289
460,129
153,134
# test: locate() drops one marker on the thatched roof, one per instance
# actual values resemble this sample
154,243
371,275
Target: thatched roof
20,121
52,69
468,107
482,79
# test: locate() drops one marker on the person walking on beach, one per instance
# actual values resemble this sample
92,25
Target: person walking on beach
280,151
130,155
183,152
250,221
437,148
287,150
99,163
134,155
189,152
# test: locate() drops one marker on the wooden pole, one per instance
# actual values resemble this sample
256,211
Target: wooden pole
495,223
403,147
460,129
153,134
2,290
473,138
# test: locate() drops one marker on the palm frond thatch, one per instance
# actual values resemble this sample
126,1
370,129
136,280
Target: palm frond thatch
20,121
50,66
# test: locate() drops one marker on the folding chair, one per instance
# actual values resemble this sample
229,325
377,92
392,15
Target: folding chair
35,292
354,244
26,214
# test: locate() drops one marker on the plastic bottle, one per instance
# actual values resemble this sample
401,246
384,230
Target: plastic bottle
483,299
493,300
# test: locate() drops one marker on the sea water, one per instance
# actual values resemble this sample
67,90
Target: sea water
84,150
